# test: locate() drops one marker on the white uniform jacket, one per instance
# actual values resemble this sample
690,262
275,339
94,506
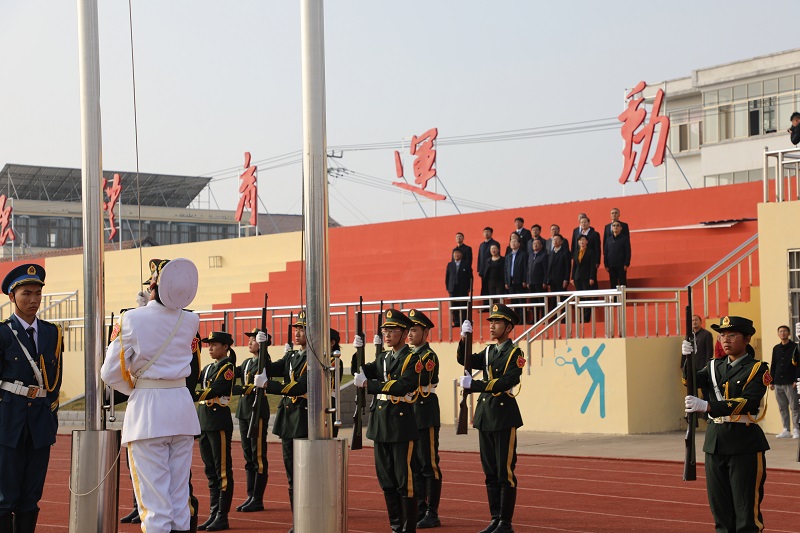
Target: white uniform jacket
153,412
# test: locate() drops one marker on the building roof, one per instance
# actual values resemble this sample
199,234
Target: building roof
28,182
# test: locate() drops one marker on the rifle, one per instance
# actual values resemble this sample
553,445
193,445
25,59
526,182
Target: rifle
467,345
361,393
289,336
690,461
378,350
263,358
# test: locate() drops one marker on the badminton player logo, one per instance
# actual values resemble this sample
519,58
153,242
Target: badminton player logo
591,365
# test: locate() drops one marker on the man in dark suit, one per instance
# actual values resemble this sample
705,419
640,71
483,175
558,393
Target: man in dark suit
456,279
592,239
516,265
523,234
735,464
30,383
617,255
555,230
536,235
607,232
704,342
484,254
559,265
466,251
536,272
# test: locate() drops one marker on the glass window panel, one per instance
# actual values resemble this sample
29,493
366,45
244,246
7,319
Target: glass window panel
785,109
674,138
740,176
770,87
726,179
711,120
725,122
755,174
740,92
694,136
710,181
725,95
740,121
785,84
711,97
679,117
754,89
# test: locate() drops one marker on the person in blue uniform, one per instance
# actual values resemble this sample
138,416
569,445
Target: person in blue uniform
30,382
497,415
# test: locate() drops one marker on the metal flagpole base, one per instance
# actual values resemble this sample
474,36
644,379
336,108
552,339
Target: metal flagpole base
320,486
94,481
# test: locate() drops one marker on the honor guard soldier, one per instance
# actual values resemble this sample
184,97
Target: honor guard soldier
734,443
428,484
30,382
255,446
216,426
497,415
394,377
291,417
150,359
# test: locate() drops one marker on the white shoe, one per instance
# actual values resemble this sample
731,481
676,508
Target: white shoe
796,433
783,434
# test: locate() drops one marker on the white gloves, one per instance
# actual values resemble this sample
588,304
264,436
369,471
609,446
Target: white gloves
287,348
797,330
358,342
466,327
260,380
378,340
360,379
687,348
261,337
142,298
798,386
465,381
695,405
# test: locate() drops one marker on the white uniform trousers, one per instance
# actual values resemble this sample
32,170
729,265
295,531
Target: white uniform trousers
160,469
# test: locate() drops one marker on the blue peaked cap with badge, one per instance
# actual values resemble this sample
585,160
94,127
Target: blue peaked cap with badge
22,275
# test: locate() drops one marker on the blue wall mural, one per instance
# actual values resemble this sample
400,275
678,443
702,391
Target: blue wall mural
592,366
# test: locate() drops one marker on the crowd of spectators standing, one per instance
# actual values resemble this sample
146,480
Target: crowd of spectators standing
533,264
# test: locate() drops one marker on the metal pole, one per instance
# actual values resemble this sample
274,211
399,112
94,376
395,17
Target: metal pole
320,463
779,179
95,451
766,174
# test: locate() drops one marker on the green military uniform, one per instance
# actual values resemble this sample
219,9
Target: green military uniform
394,378
291,417
497,418
254,446
428,484
216,426
734,443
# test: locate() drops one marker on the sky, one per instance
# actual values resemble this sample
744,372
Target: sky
216,79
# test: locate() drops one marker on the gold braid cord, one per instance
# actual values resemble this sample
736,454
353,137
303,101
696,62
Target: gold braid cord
58,364
509,392
123,368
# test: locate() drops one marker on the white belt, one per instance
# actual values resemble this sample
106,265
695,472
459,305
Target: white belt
143,383
18,388
743,419
427,389
409,398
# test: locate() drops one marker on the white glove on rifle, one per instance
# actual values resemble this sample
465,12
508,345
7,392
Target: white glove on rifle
360,379
260,380
466,327
261,337
798,386
695,405
797,330
687,348
378,340
287,348
465,381
142,298
358,342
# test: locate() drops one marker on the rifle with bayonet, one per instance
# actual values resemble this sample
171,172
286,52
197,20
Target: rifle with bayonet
461,429
378,350
263,359
361,394
690,460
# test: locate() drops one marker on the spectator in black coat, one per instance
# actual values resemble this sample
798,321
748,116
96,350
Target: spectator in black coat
555,230
516,263
456,279
584,270
614,218
617,255
592,239
523,234
494,273
536,272
794,131
466,251
559,265
484,253
536,235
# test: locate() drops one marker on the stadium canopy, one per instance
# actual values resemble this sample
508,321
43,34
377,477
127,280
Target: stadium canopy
54,184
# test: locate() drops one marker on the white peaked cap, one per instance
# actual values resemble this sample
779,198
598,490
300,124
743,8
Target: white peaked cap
177,283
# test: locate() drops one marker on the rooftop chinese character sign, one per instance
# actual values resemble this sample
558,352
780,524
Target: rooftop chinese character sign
635,132
424,150
248,192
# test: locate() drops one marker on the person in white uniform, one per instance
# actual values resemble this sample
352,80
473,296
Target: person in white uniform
149,359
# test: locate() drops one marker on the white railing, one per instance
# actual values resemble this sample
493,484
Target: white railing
54,305
729,270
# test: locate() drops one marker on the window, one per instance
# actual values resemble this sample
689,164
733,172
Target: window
794,286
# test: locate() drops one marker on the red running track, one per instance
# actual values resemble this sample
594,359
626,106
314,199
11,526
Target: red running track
565,494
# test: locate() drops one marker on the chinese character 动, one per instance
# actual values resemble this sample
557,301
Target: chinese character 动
423,148
632,120
112,191
6,233
248,191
